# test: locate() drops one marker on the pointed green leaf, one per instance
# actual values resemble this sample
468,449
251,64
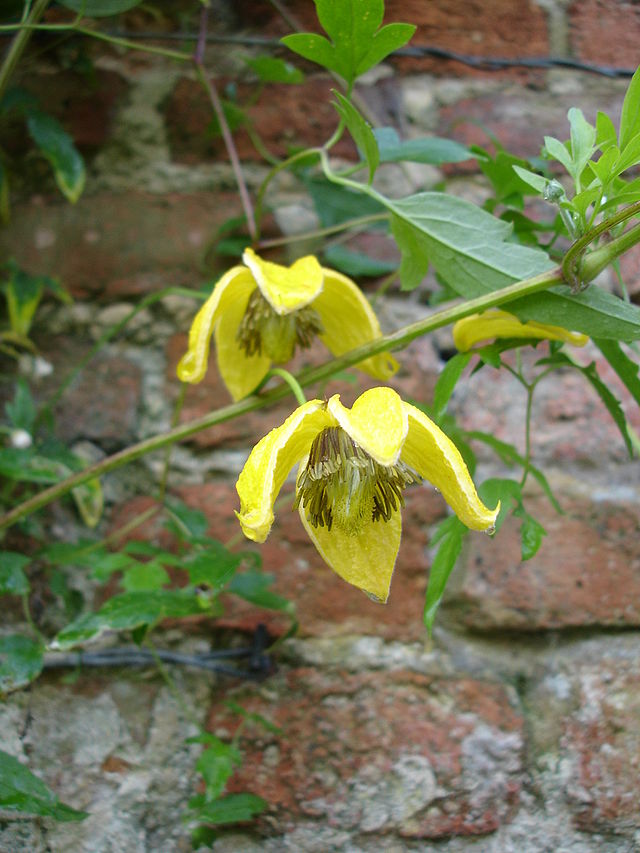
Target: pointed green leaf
21,661
272,69
425,149
57,146
213,567
317,49
558,151
234,808
538,182
143,576
360,130
625,367
23,793
606,135
531,535
630,156
254,586
13,580
414,264
356,264
23,293
391,37
583,137
185,521
449,537
100,8
89,500
447,381
630,117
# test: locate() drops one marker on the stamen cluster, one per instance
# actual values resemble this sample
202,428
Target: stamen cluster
342,484
262,329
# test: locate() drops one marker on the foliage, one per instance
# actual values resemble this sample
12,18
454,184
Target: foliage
482,257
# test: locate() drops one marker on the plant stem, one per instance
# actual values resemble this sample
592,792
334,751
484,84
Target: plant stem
291,381
600,258
323,232
395,341
19,43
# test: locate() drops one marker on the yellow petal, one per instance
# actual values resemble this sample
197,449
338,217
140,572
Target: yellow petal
349,321
500,324
377,422
240,373
270,462
235,286
286,289
365,560
435,457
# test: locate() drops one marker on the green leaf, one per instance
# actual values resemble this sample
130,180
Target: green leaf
626,369
129,611
630,116
611,402
630,156
23,293
89,501
253,717
360,130
13,580
414,264
25,466
510,456
356,264
531,535
447,381
186,521
425,149
21,661
213,567
606,135
57,146
356,44
271,69
583,138
449,536
21,411
603,168
505,490
558,151
100,8
143,576
216,764
335,204
254,586
23,793
234,808
538,182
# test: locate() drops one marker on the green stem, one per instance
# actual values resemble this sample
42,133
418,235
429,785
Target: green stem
291,381
323,232
271,174
600,258
19,43
309,376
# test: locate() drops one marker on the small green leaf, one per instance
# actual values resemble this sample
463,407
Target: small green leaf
21,411
186,522
538,182
21,661
215,765
271,69
583,138
213,567
630,116
254,586
414,264
144,576
13,580
360,130
447,381
335,204
531,535
89,500
425,149
234,808
626,369
603,168
57,146
23,793
356,264
558,151
449,537
23,293
100,8
606,135
502,489
629,156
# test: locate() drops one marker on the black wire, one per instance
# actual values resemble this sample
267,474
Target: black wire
487,63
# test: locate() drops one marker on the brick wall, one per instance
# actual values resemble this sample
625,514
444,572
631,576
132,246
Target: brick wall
517,728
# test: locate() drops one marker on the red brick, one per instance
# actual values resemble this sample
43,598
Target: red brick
325,604
602,737
113,245
424,757
605,31
586,573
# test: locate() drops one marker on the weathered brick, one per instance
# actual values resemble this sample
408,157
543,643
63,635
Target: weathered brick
605,31
113,245
424,757
586,573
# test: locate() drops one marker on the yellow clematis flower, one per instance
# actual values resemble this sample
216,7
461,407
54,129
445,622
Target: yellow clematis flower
353,466
500,324
260,312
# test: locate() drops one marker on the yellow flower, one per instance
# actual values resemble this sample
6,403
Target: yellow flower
260,312
500,324
354,465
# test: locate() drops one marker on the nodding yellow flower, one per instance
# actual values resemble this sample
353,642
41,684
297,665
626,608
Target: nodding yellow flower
500,324
260,312
353,466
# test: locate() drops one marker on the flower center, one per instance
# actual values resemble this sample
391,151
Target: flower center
264,330
342,485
